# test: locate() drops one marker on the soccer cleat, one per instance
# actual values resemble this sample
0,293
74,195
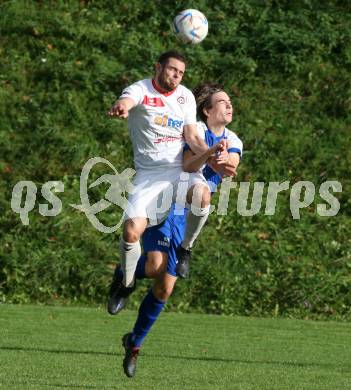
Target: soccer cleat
131,355
183,265
118,295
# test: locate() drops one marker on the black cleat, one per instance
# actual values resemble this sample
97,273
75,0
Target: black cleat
118,295
183,265
131,355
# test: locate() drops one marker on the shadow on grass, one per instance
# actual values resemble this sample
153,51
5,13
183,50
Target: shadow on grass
186,358
59,351
59,385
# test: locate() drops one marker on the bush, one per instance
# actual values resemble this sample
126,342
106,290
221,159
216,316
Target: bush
286,65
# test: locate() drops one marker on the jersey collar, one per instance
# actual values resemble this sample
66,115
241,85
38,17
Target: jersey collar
159,91
223,135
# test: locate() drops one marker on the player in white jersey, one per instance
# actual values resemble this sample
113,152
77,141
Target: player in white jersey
160,113
162,241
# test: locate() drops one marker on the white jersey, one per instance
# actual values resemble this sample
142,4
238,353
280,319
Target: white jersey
156,124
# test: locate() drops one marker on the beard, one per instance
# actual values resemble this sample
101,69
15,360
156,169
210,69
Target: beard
162,82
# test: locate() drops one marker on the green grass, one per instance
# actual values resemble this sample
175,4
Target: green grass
44,347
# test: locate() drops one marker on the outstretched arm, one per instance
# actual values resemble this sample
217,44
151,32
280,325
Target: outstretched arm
121,108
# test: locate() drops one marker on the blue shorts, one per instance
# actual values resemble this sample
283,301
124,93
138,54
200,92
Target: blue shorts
166,237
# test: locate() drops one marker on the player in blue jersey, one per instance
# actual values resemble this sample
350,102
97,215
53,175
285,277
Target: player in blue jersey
161,242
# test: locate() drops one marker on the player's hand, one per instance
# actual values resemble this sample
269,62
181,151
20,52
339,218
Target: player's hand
222,157
228,170
224,169
217,148
119,110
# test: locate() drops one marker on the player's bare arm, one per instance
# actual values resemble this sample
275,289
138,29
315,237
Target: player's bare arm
193,162
227,168
192,138
121,108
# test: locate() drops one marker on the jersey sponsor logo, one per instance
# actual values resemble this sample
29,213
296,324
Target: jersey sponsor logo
166,121
163,137
181,100
153,101
167,139
164,242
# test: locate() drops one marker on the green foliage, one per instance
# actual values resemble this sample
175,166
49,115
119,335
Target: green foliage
286,65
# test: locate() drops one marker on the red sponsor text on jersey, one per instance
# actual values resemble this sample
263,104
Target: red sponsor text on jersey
153,101
167,139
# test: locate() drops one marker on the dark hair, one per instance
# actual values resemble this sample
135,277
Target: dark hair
164,57
203,95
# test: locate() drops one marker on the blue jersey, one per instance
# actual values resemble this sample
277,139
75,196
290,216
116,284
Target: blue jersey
167,236
234,146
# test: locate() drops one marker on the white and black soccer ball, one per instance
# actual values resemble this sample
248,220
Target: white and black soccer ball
190,26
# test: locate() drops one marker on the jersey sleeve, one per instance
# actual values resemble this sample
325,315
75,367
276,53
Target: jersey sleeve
235,144
135,92
190,109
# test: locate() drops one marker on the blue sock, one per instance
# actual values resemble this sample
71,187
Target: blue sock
149,310
140,268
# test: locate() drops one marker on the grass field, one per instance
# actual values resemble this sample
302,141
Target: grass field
44,347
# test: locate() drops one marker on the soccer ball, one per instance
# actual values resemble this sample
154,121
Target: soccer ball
190,26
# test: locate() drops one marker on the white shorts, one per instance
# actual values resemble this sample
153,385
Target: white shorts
155,191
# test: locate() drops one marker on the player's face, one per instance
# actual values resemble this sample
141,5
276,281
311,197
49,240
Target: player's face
221,111
170,75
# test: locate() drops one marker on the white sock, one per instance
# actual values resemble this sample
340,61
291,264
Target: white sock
130,253
197,216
